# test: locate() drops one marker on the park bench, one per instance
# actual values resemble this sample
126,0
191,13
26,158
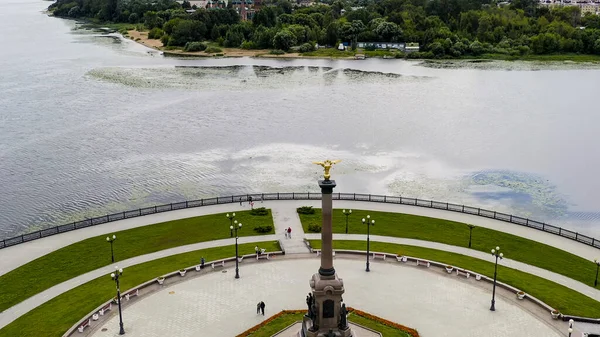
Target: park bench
132,293
319,253
84,325
378,255
262,255
423,263
462,272
105,308
218,264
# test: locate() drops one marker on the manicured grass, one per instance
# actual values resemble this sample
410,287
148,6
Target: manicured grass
560,297
329,52
457,234
385,330
287,319
56,316
93,253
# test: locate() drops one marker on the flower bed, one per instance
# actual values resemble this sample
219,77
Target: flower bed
406,329
268,320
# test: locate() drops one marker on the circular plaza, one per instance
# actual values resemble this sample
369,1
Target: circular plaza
429,300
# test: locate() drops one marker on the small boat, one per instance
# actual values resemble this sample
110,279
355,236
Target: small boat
359,57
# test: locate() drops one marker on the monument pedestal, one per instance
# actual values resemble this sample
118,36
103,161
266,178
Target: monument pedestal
327,292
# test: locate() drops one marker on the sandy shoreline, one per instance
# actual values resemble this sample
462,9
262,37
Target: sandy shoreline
142,38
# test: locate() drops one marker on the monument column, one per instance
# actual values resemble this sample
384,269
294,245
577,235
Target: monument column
327,269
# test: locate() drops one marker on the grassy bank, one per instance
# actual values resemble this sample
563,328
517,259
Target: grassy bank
56,316
541,58
93,253
560,297
457,234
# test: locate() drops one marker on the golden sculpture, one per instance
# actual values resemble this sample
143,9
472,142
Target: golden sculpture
327,166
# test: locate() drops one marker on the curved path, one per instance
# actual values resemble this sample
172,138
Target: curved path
434,303
284,215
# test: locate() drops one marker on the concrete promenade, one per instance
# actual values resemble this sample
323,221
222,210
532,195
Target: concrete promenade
284,216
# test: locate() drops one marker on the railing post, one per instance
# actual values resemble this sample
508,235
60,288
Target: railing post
171,206
22,238
385,198
155,209
527,223
576,236
494,214
559,230
201,202
217,200
354,197
430,203
446,205
463,208
123,215
479,211
139,212
593,240
510,218
543,226
277,195
308,194
186,204
369,196
293,196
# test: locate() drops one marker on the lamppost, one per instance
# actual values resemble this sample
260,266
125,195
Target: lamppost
497,254
597,262
111,240
234,228
571,327
231,220
115,276
470,233
347,214
369,224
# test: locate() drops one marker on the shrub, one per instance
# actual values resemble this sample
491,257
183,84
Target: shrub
305,210
306,47
277,52
314,228
259,211
211,50
249,45
164,39
137,39
155,33
194,46
263,229
370,48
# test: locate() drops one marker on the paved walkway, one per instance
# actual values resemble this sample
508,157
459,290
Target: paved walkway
20,309
13,257
284,216
433,302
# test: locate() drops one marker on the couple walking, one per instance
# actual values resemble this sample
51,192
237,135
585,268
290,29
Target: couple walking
260,308
288,233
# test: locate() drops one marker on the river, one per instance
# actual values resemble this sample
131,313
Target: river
91,124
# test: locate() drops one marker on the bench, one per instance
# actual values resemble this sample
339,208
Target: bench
262,256
463,272
218,264
84,325
319,253
377,255
105,308
423,263
132,293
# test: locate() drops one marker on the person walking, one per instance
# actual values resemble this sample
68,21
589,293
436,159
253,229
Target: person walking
251,205
249,200
258,308
285,233
241,201
289,230
262,307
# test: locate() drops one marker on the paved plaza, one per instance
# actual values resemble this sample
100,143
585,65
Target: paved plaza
429,300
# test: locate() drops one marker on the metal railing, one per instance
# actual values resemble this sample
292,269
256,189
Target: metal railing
303,196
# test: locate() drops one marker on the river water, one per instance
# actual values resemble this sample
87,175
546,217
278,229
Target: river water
91,124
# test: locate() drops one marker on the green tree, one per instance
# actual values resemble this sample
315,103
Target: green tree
388,31
187,31
284,40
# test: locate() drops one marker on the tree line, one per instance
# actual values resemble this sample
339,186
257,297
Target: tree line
443,28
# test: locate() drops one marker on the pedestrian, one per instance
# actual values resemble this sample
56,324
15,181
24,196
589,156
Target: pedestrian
241,201
249,200
202,263
256,250
258,308
251,205
285,232
289,232
262,307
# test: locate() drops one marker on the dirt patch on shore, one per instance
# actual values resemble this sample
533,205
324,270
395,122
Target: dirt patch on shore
142,38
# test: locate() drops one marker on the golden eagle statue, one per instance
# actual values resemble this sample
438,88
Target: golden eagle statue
327,166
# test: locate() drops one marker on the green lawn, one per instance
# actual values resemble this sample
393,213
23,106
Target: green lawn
288,319
56,316
562,298
90,254
457,234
